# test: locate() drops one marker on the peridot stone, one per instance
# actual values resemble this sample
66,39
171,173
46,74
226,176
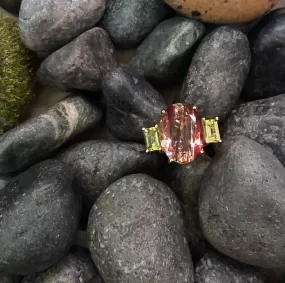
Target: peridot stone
211,130
151,137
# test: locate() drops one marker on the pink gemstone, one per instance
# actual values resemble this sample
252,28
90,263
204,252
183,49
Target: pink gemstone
181,133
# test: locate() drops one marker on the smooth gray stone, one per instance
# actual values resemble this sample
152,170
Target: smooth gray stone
263,121
12,6
242,203
132,104
76,267
81,64
47,25
215,268
129,21
37,138
217,73
40,212
97,164
164,56
135,233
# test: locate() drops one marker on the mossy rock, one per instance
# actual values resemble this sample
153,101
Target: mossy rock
16,74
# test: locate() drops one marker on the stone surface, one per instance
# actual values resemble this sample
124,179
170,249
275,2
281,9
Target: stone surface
216,268
263,121
76,267
129,22
47,25
242,203
97,164
9,279
217,73
221,11
266,77
38,137
12,6
132,104
135,233
165,55
185,181
39,215
81,64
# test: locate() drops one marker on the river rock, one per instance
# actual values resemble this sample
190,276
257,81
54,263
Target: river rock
97,164
266,77
242,203
132,104
165,54
37,138
12,6
39,216
185,181
81,64
47,25
135,233
263,121
217,73
76,267
128,23
215,268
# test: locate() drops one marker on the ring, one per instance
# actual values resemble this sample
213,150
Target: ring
181,134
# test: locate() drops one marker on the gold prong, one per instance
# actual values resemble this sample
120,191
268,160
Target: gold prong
217,118
147,151
195,107
170,160
156,126
145,130
202,151
163,112
220,141
203,119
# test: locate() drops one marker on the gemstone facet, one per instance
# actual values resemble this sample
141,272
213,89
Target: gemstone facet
180,133
151,137
211,130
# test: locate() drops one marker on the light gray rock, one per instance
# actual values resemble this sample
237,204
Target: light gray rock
47,25
242,203
135,233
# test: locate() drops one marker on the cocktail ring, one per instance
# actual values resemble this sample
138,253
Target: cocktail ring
181,134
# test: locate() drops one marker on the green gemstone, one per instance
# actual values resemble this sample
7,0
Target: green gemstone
151,137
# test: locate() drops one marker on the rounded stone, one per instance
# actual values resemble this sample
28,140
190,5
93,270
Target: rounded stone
217,73
165,55
128,23
47,25
39,216
242,203
221,11
76,267
267,40
9,279
97,164
12,6
135,233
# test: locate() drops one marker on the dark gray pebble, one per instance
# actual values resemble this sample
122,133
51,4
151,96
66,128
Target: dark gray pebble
132,104
46,25
9,279
129,22
12,6
267,40
76,267
215,268
38,137
39,216
242,203
165,55
217,73
81,64
97,164
263,121
135,233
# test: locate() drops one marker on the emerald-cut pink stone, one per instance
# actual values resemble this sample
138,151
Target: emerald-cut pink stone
180,133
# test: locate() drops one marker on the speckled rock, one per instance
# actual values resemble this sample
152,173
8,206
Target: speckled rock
263,121
242,203
135,233
165,54
46,25
12,6
76,267
217,72
132,103
185,181
129,22
81,64
97,164
266,77
38,137
215,268
9,279
39,215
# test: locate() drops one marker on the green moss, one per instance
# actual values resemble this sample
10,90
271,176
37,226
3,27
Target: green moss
16,74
